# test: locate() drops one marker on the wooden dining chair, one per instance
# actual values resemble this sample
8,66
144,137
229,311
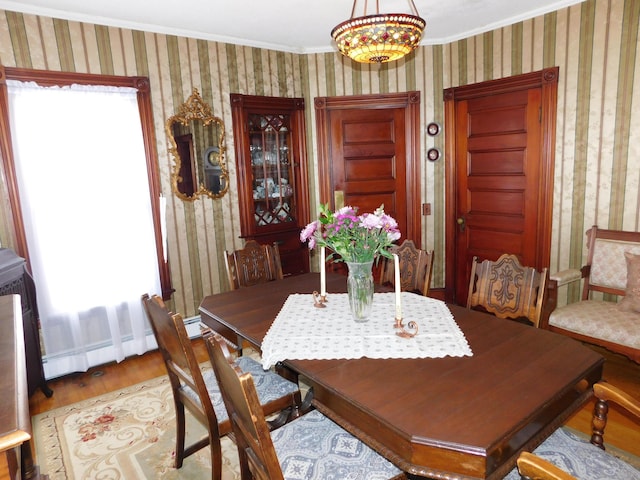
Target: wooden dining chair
415,268
566,456
310,446
507,289
199,392
535,468
253,264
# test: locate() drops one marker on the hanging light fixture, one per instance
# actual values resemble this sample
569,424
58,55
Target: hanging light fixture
379,38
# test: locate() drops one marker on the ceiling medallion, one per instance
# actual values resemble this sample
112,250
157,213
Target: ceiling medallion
379,38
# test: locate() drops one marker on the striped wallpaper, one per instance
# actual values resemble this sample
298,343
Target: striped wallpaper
597,173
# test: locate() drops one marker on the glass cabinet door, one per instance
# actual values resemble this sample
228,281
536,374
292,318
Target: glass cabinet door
271,168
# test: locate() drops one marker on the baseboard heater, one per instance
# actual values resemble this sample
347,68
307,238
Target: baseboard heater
98,354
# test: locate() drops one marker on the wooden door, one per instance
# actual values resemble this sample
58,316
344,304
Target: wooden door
500,173
368,149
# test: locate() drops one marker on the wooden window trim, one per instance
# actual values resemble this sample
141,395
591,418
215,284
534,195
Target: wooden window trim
51,78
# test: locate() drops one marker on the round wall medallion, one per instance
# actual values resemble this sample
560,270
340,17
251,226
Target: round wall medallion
433,154
433,129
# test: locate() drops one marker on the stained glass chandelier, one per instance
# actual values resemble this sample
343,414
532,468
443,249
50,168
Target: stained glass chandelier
379,37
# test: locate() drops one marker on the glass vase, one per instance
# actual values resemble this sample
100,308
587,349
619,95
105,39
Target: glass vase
360,289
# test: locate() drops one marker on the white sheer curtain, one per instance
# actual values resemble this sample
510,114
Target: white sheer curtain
84,191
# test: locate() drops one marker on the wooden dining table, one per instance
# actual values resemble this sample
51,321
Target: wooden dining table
464,417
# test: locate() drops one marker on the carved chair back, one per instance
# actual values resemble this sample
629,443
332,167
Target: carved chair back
416,266
253,264
507,289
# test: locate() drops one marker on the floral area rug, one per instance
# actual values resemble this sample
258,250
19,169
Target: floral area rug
127,434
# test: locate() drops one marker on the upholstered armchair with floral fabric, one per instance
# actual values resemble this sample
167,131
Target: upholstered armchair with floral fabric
608,313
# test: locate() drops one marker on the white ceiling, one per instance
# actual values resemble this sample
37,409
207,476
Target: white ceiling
298,26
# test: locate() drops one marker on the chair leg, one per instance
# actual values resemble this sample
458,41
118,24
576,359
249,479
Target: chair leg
216,457
180,434
599,422
245,471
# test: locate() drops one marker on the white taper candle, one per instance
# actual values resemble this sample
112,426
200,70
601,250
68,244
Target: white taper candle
323,274
396,263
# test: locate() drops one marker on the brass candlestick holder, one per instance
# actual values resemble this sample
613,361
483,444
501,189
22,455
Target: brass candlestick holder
402,332
319,300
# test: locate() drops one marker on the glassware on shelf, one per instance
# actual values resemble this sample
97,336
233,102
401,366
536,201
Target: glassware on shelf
256,155
284,155
272,174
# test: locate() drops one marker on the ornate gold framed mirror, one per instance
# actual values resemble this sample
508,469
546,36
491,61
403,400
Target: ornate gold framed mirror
196,141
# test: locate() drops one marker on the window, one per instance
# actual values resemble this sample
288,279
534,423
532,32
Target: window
84,193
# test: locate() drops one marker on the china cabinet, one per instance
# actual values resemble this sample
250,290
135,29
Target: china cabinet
269,135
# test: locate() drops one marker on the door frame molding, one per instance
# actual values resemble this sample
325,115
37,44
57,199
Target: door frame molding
547,80
410,101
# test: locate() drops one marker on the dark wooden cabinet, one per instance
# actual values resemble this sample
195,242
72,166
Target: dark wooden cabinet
269,135
14,278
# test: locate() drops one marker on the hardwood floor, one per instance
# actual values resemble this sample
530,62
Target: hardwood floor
621,430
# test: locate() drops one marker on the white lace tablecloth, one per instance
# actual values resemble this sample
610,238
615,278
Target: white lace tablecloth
304,332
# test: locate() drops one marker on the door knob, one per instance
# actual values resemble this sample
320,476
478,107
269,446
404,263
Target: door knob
460,221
